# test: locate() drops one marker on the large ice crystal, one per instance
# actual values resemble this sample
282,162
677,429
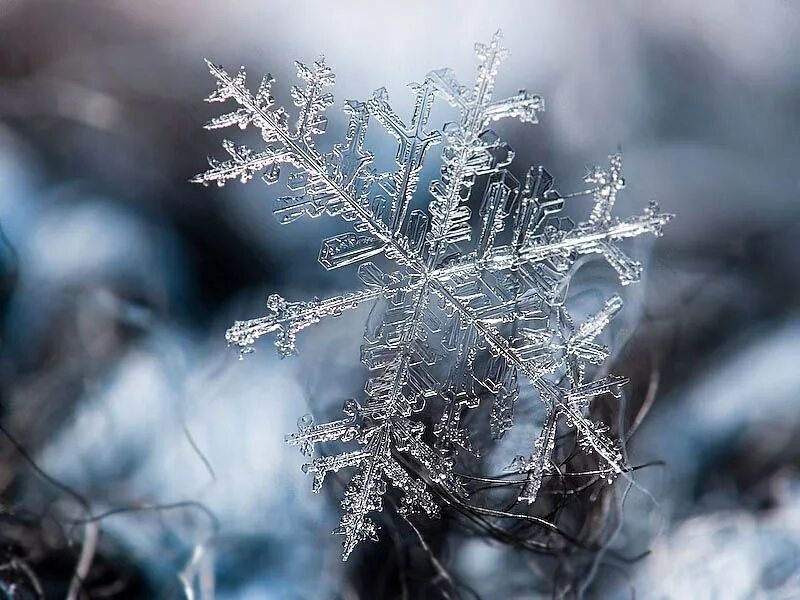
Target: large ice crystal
473,306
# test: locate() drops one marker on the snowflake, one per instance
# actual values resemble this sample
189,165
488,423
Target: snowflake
471,307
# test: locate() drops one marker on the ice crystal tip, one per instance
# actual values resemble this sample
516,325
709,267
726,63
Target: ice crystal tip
487,302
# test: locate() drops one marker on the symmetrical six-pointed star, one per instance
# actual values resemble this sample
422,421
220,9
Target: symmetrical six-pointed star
466,313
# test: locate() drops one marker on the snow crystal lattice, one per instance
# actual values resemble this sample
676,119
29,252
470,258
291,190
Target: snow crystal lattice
463,316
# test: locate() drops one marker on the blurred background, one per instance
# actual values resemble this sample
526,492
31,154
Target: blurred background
139,453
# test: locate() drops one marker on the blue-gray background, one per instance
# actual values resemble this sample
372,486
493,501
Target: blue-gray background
119,278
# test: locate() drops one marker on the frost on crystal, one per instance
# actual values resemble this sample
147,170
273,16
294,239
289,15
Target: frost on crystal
466,314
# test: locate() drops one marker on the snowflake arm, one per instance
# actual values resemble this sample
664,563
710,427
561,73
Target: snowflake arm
323,189
287,319
470,149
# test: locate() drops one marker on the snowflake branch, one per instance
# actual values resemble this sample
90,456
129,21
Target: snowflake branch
305,157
